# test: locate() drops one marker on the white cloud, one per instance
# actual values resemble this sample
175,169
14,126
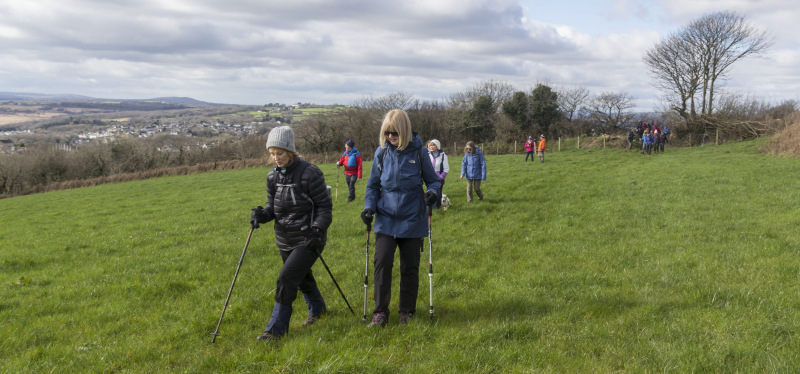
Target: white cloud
251,52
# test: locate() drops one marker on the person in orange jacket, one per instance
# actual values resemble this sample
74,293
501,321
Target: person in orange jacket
351,160
541,148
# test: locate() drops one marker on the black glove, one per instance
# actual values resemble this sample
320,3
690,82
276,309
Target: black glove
257,216
431,197
366,216
314,241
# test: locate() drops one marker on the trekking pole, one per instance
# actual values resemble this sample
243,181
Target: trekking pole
334,282
366,277
430,260
236,274
337,184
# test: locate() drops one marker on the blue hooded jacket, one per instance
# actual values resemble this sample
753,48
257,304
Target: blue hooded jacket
396,195
473,166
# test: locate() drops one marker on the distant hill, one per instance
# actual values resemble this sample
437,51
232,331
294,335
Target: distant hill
181,100
26,96
20,96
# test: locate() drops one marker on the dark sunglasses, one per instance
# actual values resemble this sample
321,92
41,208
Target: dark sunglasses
392,133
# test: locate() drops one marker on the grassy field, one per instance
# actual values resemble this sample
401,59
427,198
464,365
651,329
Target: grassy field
595,261
305,113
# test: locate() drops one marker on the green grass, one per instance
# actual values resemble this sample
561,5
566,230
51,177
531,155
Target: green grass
595,261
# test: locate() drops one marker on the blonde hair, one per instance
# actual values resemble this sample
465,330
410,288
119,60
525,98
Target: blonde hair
396,120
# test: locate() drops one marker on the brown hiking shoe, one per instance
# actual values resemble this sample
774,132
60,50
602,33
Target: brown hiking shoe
310,320
379,319
405,317
266,335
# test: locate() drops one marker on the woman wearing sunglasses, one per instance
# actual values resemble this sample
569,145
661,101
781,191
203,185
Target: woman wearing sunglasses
473,167
395,198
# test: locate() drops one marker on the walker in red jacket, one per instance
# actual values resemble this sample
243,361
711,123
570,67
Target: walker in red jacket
351,160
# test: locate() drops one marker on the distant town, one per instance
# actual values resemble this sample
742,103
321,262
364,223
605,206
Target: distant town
67,124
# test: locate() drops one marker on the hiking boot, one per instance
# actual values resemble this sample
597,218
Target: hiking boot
310,320
266,335
278,324
405,317
316,306
379,319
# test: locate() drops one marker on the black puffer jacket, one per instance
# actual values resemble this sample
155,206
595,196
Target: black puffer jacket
291,211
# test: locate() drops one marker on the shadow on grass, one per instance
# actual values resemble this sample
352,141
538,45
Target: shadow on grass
483,311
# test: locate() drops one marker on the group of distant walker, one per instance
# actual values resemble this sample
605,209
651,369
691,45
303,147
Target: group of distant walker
652,137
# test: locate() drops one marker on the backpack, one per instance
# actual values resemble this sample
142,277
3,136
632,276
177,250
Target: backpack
352,160
441,166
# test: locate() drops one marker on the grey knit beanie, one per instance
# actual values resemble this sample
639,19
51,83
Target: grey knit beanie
281,137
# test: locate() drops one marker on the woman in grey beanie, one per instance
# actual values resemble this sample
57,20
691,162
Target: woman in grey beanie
299,203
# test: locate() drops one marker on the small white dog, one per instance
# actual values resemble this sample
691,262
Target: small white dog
445,202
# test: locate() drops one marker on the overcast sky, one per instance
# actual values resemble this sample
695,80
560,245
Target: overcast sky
328,51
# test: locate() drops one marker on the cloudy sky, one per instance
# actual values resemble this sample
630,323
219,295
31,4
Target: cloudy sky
337,51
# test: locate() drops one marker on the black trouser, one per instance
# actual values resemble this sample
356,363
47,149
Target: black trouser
529,154
410,249
351,186
438,203
295,274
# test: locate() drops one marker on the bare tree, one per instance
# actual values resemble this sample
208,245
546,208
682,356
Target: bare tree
429,118
610,111
362,125
387,102
319,133
570,100
472,114
722,39
687,65
497,91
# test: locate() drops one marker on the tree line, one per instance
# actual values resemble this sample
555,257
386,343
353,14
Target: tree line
43,165
686,65
490,111
494,111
